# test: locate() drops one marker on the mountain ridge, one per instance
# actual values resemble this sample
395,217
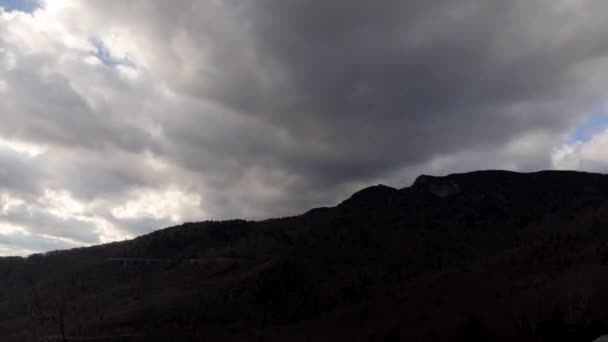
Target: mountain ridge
485,255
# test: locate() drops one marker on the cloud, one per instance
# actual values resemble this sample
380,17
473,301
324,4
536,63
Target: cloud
146,113
19,243
40,221
591,155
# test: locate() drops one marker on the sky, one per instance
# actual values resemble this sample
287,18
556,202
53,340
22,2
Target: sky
118,118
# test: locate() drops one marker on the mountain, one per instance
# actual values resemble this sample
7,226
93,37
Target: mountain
480,256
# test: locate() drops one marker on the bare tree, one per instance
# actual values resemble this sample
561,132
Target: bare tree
50,319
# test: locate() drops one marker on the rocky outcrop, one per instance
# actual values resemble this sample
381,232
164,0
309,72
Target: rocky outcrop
438,186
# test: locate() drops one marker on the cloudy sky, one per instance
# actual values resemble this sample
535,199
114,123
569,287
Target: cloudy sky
121,117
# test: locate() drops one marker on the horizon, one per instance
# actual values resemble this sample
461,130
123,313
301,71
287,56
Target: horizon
306,210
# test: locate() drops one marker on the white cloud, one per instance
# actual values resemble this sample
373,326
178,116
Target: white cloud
28,149
170,204
590,155
8,202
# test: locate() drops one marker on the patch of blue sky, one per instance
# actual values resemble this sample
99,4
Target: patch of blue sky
595,122
105,56
27,6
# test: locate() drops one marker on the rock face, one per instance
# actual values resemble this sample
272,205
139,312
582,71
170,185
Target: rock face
601,339
438,186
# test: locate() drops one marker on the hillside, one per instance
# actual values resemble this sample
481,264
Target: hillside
481,256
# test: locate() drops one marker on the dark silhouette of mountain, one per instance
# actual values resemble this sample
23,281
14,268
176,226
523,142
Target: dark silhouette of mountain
480,256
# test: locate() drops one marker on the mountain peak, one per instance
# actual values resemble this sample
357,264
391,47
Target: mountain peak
373,195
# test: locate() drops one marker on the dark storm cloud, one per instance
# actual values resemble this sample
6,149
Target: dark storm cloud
314,96
361,88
